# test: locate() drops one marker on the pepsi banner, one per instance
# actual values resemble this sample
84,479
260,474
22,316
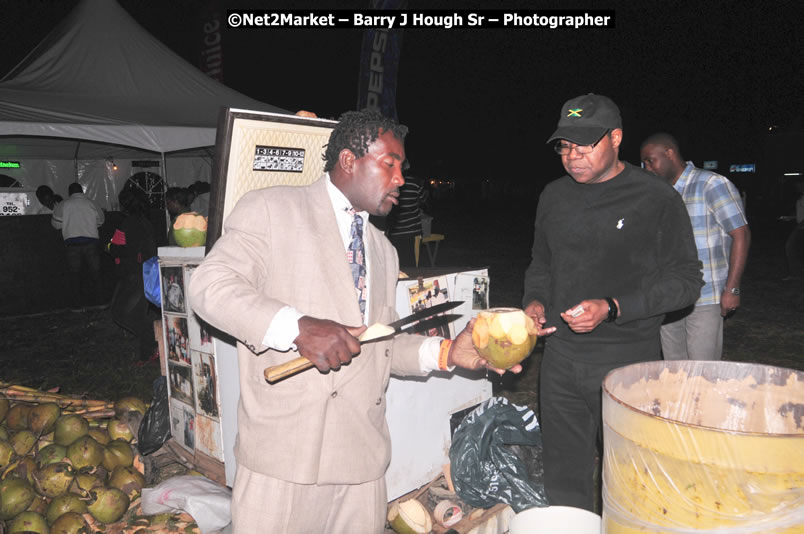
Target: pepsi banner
379,64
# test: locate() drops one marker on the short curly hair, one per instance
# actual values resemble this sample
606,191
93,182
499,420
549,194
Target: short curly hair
355,131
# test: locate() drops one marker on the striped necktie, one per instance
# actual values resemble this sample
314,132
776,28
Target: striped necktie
356,254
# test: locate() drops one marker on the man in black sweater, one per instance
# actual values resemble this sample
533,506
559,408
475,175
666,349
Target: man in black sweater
613,251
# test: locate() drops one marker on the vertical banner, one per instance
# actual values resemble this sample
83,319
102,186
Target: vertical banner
210,58
379,64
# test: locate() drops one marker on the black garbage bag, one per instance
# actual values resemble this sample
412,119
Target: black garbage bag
154,430
484,468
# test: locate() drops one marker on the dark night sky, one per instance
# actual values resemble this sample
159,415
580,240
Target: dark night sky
481,102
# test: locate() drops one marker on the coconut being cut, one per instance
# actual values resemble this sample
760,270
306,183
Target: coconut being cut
504,336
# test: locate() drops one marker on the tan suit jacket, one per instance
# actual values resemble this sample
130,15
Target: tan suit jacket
281,247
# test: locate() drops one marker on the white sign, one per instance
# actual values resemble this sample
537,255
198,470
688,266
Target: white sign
13,203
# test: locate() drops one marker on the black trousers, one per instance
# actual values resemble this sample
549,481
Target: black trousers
571,421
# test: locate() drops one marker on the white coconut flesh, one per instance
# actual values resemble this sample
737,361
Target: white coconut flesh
376,331
410,517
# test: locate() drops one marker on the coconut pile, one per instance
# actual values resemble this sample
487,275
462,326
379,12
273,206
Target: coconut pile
66,464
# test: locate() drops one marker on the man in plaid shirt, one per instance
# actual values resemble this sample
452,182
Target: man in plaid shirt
722,238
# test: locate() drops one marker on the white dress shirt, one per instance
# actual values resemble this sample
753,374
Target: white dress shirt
284,327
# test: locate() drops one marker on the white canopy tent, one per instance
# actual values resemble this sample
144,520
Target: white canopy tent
100,91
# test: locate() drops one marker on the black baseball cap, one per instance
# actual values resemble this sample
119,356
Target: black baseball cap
584,119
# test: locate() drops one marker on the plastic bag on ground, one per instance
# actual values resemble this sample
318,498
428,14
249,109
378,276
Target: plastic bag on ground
207,502
151,281
485,471
154,429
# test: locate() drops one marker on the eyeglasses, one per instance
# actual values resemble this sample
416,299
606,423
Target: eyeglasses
562,148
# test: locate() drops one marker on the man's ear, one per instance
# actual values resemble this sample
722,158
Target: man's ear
616,137
672,154
346,159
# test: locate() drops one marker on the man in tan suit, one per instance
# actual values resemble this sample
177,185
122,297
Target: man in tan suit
312,450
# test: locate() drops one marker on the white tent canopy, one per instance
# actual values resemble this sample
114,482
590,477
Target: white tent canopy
98,86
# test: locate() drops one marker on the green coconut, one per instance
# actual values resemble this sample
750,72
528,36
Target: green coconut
85,452
100,435
16,495
108,505
87,481
117,453
70,523
190,230
6,454
54,480
43,417
69,428
129,404
410,517
23,442
69,502
119,429
29,523
26,467
128,480
51,454
3,433
17,417
4,406
38,505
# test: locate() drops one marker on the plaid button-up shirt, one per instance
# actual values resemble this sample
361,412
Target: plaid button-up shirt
715,209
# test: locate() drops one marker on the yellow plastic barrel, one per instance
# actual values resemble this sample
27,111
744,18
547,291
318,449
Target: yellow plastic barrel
700,446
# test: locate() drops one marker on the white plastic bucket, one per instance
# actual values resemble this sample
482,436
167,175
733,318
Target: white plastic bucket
555,519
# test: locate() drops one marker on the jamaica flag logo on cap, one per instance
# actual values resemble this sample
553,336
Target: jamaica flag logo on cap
575,112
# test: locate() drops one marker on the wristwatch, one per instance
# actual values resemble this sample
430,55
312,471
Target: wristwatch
734,291
613,311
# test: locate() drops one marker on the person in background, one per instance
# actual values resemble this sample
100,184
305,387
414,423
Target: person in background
613,251
133,243
200,203
794,246
79,218
405,221
299,269
47,198
722,239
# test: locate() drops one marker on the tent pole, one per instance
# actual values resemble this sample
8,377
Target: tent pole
164,180
75,159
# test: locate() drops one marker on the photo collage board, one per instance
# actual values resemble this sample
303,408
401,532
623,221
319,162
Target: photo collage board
192,373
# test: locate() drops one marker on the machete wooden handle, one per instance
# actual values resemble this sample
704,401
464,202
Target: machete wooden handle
297,365
278,372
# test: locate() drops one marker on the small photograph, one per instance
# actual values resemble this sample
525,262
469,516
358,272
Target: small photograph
206,384
200,334
480,293
427,293
178,424
188,430
208,437
177,339
181,383
173,290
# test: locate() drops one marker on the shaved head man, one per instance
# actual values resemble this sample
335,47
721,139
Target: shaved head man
722,238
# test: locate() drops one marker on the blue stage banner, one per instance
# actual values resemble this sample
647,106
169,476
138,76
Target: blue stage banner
379,64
